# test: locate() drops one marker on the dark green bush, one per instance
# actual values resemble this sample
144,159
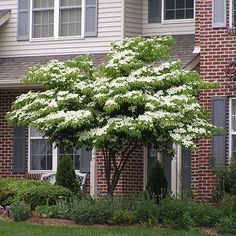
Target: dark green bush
157,182
64,209
225,181
89,211
66,176
170,207
228,205
46,194
175,211
183,222
20,211
10,189
122,217
205,215
227,225
47,211
146,211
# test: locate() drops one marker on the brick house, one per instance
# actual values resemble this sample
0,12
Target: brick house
34,31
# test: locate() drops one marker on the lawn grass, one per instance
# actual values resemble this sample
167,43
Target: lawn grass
24,229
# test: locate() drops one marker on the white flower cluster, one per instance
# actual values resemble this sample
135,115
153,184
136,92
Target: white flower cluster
128,96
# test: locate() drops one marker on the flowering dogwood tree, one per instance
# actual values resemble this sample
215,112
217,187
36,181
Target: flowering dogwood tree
126,103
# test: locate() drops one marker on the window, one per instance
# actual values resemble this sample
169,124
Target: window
75,155
70,17
40,152
232,20
43,18
44,157
178,9
233,129
55,18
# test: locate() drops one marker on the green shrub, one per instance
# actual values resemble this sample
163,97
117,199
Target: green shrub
228,205
146,211
10,189
202,215
44,195
227,225
175,212
64,209
205,215
47,211
225,181
183,222
89,211
66,176
20,211
122,217
170,207
157,182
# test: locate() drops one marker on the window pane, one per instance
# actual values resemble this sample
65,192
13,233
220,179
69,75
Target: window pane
73,153
179,9
170,15
152,156
43,24
170,4
180,4
37,17
180,14
234,147
233,107
189,14
40,155
35,133
70,3
70,24
43,4
189,3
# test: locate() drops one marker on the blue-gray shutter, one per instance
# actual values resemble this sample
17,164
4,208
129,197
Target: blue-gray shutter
23,20
154,10
91,18
218,13
18,161
86,155
218,140
186,170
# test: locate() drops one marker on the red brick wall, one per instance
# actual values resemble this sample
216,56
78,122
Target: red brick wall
131,180
218,48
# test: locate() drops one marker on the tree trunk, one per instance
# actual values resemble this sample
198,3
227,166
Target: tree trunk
114,164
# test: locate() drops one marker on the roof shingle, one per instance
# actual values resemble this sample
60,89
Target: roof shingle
13,69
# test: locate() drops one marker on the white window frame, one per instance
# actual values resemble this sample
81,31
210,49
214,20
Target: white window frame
56,24
230,129
177,21
55,157
54,154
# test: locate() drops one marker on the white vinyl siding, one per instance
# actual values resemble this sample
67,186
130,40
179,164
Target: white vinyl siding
133,18
174,28
109,30
136,22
